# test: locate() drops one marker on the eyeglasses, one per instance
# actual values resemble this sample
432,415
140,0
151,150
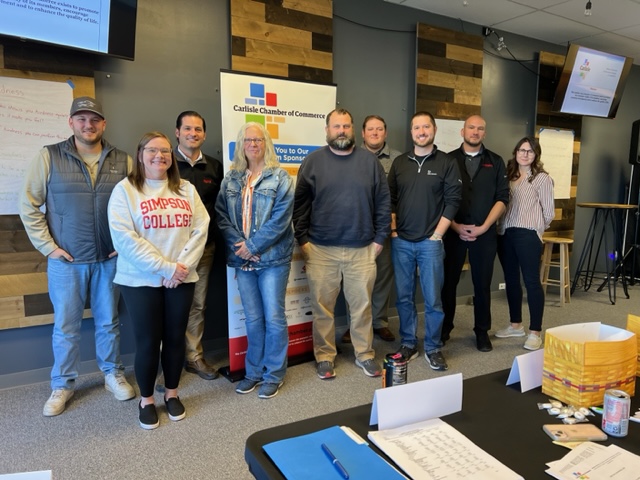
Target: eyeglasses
257,141
154,151
524,151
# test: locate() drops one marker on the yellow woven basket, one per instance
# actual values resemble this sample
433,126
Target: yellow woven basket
633,325
580,363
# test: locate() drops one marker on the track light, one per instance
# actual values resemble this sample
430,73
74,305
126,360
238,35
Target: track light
487,31
587,9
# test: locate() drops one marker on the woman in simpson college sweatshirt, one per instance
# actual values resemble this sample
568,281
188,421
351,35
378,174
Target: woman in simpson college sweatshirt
159,228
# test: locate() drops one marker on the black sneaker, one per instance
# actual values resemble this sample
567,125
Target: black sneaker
436,360
408,353
148,416
175,409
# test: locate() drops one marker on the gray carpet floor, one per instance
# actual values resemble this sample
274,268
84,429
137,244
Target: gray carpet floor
98,437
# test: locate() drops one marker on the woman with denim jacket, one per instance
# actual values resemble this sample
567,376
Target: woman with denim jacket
254,210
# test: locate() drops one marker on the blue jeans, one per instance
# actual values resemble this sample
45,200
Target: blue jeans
428,256
519,250
262,292
69,285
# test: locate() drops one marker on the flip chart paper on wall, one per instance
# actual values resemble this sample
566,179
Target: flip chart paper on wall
33,113
448,136
557,157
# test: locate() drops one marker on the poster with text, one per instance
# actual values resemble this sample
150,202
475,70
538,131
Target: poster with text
294,115
33,113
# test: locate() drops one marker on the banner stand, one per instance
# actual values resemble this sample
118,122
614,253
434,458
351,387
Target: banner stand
237,375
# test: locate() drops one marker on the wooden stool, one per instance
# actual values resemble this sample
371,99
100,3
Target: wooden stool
565,277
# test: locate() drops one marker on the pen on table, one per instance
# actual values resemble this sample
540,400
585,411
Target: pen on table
335,461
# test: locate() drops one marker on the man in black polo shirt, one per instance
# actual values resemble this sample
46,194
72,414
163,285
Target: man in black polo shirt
205,173
485,194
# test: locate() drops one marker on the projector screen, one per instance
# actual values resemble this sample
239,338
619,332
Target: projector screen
592,82
102,26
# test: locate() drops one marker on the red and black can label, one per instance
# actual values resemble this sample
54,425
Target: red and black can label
394,371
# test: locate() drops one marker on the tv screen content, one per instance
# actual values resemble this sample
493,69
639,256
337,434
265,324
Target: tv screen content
591,83
102,26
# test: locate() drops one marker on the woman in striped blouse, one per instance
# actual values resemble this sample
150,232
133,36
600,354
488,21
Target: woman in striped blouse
528,215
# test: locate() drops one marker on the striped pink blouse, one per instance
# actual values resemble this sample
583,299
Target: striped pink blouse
530,205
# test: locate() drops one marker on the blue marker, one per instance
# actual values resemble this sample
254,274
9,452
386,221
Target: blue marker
335,461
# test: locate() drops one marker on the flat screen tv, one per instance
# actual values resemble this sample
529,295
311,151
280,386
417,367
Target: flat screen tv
591,82
101,26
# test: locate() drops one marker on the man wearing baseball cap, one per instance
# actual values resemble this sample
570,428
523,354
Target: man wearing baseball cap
73,179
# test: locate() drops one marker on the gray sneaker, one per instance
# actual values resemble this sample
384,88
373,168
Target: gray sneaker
269,390
325,370
534,342
370,367
436,360
247,385
511,332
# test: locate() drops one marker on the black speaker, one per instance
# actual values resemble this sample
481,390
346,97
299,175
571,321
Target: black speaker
634,153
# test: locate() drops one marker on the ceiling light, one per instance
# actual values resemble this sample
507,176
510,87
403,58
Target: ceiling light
587,9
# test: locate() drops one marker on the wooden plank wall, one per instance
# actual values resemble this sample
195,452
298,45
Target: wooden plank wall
284,38
549,74
449,73
24,298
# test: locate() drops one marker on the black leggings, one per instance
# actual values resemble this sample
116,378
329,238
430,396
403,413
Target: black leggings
159,316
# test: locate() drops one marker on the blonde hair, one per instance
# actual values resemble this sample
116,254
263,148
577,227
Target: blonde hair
239,162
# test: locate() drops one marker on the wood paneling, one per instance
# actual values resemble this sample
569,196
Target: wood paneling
285,38
550,66
449,73
24,298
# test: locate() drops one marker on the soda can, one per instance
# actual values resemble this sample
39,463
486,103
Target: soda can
394,370
615,413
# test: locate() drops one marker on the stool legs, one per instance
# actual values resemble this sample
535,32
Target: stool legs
546,265
565,276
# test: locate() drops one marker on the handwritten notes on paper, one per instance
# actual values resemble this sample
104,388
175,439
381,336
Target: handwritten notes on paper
434,450
557,157
33,113
448,136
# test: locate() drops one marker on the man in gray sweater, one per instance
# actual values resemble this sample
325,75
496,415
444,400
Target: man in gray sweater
341,218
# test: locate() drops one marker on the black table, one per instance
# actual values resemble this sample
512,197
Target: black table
499,419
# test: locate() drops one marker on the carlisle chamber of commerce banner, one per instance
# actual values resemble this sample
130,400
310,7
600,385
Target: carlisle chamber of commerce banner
294,115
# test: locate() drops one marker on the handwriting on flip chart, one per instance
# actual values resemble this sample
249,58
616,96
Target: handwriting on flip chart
33,113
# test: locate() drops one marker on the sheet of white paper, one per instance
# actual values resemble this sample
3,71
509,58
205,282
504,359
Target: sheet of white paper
610,463
434,450
448,136
527,369
41,475
415,402
557,155
590,332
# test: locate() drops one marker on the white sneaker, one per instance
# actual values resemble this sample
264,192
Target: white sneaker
118,385
57,402
534,342
511,332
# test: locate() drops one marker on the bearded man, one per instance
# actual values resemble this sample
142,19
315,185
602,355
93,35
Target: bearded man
341,218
